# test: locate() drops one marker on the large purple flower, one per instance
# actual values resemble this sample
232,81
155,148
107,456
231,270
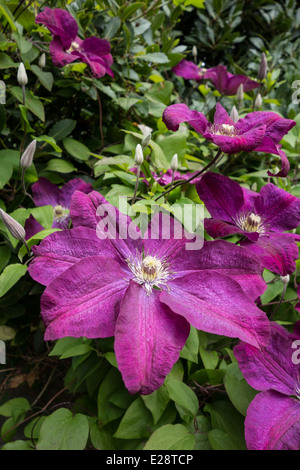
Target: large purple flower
260,217
273,417
188,70
66,46
226,83
259,131
46,193
144,291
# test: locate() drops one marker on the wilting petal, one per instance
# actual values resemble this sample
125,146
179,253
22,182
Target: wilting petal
273,422
222,196
177,113
188,70
60,23
216,304
45,193
228,259
61,250
277,252
148,339
281,210
32,227
270,368
68,189
84,300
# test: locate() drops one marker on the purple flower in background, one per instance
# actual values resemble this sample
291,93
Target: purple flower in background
259,131
46,193
273,417
226,83
260,217
66,46
188,70
144,291
165,178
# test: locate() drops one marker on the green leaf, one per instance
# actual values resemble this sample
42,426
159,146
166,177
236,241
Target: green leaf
62,129
209,358
31,102
171,437
4,256
14,408
18,445
221,440
112,383
10,276
6,171
46,78
238,390
8,15
191,347
112,27
76,149
6,62
61,166
127,102
64,345
44,215
50,141
64,431
157,402
182,395
136,423
156,57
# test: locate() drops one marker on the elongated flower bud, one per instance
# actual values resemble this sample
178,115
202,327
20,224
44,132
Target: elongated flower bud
285,279
262,73
42,60
195,52
14,228
139,156
146,140
234,114
27,157
258,101
22,75
174,162
240,93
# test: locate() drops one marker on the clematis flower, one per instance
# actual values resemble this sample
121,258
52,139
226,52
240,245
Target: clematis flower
66,46
260,217
226,83
189,70
144,290
273,417
46,193
259,131
165,178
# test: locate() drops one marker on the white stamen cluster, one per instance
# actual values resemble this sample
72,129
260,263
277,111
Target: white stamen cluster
223,129
149,271
74,47
250,222
60,213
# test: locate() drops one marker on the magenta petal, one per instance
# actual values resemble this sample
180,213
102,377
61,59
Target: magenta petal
32,226
84,300
96,46
97,64
177,113
68,189
60,23
219,229
277,252
204,301
148,339
188,70
221,116
59,56
273,422
270,368
45,193
61,250
246,142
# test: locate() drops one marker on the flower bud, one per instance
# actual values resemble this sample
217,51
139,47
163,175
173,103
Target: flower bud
146,140
262,73
234,114
254,186
14,228
194,51
22,75
27,157
258,101
139,156
174,162
240,93
285,279
42,60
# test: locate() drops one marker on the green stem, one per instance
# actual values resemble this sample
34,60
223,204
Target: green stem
136,183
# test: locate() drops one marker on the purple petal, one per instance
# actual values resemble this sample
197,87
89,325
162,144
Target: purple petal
148,339
176,113
273,422
84,300
32,227
270,368
59,56
246,142
219,77
60,23
68,189
228,259
236,80
188,70
96,46
222,117
98,65
216,304
61,250
45,193
219,229
277,252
